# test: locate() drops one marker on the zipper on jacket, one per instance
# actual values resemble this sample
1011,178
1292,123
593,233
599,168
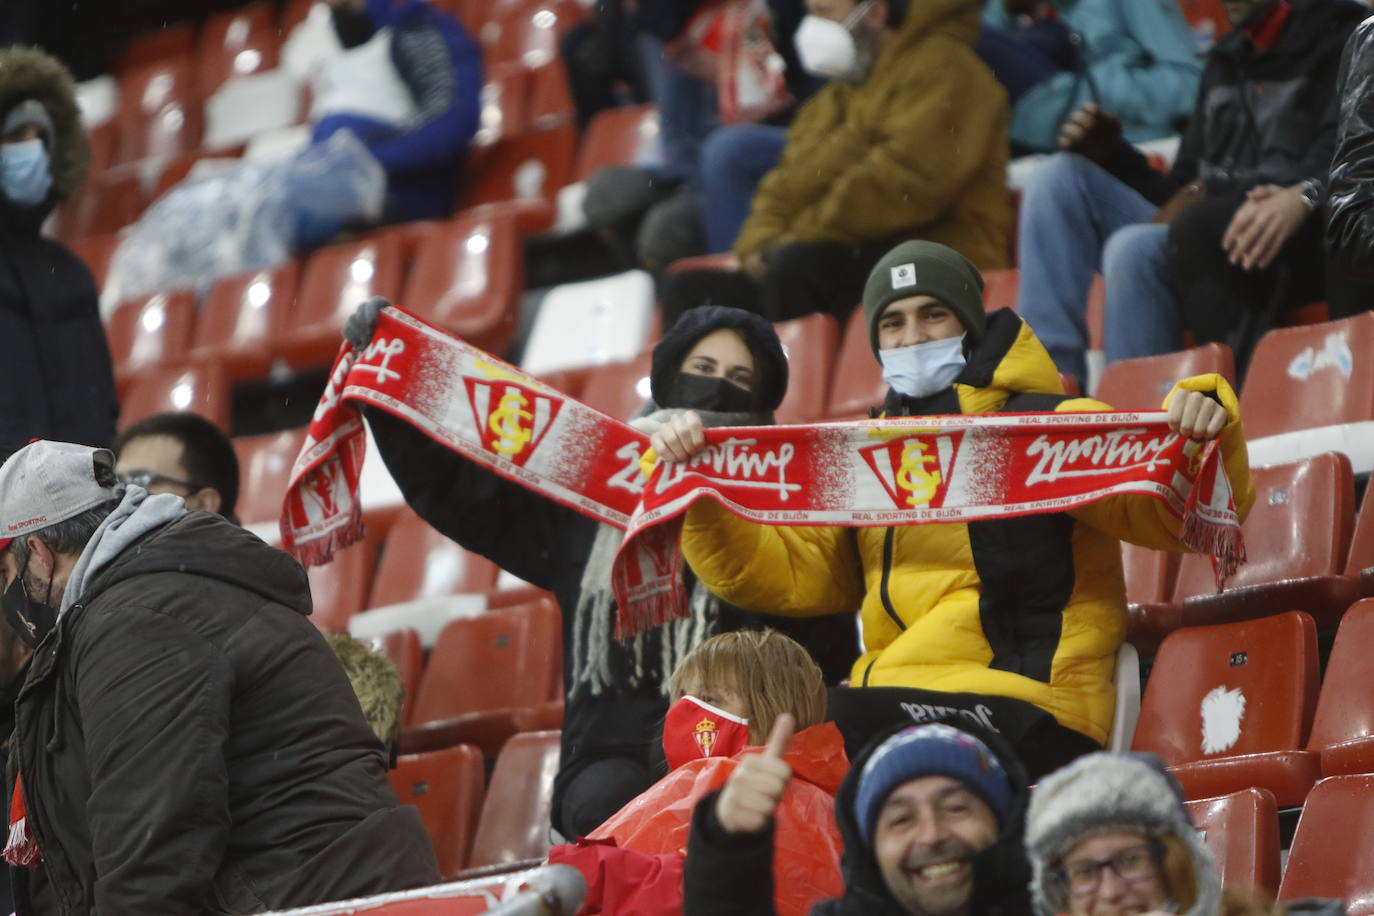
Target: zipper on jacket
888,538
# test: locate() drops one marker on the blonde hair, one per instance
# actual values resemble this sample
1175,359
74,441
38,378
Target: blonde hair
1178,872
771,673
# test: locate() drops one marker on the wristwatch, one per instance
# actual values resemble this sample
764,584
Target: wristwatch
1312,193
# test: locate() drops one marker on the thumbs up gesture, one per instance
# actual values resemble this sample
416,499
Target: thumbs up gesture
753,791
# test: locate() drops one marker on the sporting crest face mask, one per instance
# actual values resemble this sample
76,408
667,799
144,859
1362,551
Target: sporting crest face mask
693,729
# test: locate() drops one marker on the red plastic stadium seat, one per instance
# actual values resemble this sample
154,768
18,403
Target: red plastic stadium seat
1096,312
550,98
339,588
618,389
264,471
293,14
1343,727
408,655
149,332
1141,384
419,562
159,110
467,278
1311,376
721,260
106,204
1360,566
446,785
810,344
522,174
236,43
505,96
999,288
241,315
1206,13
95,251
151,47
460,701
617,136
1242,832
1333,848
337,279
530,36
201,389
514,825
102,139
1296,539
859,381
1229,707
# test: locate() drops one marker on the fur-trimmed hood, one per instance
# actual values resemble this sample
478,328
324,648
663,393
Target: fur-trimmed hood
27,73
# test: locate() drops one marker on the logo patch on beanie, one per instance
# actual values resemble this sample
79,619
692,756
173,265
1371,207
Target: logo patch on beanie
903,275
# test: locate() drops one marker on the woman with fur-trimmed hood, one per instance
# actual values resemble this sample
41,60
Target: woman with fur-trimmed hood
60,383
1109,835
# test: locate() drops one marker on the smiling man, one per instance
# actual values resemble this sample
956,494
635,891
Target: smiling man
931,817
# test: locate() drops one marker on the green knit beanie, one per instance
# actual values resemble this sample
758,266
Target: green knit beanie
921,268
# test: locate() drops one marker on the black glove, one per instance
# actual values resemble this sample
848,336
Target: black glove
361,325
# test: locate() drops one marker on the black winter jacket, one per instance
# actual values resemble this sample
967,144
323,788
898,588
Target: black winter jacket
189,744
1262,117
1350,233
729,875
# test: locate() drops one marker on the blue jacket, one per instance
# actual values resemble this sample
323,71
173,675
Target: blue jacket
442,67
1141,62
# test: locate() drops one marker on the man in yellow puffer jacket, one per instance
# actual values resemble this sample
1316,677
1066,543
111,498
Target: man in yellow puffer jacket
1010,621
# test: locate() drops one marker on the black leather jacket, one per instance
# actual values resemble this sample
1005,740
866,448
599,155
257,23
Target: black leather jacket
1350,233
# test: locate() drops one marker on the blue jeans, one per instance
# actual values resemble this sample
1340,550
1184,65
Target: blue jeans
686,111
1076,219
733,161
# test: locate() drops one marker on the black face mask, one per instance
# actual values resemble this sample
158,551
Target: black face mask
32,620
354,27
700,392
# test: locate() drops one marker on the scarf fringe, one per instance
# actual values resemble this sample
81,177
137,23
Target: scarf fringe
1223,542
320,551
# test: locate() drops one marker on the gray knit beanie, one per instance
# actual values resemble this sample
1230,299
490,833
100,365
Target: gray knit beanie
923,268
1104,791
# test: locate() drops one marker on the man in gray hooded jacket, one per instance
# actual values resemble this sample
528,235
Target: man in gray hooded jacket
184,740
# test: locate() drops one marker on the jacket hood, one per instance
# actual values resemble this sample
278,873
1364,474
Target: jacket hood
27,73
770,363
1009,360
1001,873
204,544
815,754
960,19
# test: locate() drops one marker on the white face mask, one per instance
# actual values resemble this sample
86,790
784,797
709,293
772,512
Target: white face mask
920,370
827,48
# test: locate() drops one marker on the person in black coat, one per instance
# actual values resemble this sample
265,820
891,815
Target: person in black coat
60,384
615,692
931,816
1350,232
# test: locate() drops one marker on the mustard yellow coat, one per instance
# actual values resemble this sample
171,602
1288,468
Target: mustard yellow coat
918,587
918,150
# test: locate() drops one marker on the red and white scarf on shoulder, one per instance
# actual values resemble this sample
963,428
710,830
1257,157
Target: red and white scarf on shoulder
876,473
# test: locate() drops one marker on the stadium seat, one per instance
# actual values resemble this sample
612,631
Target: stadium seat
446,785
1206,15
149,332
530,35
1307,391
202,388
339,588
264,470
426,616
505,95
336,280
618,389
810,344
241,316
550,97
859,381
1150,577
159,45
1141,384
95,251
999,288
1242,832
1360,566
461,701
1333,847
1297,539
522,174
293,13
1229,707
514,826
467,278
159,110
101,138
408,655
236,43
1343,727
419,562
592,323
105,204
618,136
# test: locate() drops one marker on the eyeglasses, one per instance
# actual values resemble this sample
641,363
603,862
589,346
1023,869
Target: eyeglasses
148,479
1135,863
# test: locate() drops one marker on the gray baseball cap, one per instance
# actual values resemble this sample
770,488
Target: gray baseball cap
45,483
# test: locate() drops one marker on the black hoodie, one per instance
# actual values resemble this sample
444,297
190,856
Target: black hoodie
729,875
188,743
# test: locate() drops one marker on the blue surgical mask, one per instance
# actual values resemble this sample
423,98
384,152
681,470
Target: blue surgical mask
920,370
25,176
